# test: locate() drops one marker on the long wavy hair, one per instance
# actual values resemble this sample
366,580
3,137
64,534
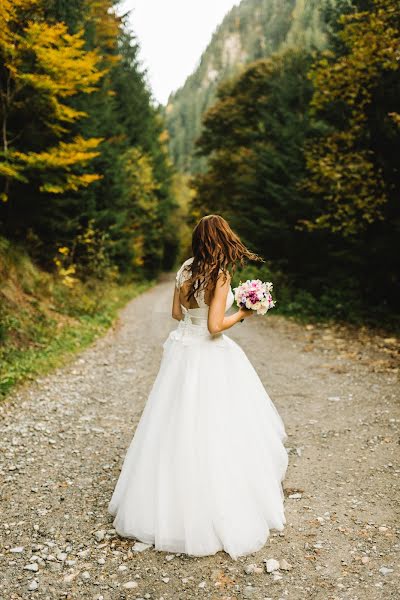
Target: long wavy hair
215,246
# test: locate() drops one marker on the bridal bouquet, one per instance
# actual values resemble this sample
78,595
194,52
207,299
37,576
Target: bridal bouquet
254,294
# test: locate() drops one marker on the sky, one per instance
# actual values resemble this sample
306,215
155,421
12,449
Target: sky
172,35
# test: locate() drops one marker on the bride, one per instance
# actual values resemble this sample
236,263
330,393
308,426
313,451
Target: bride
205,467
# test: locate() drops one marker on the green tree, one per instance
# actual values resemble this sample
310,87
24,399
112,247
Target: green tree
356,90
56,128
253,29
253,138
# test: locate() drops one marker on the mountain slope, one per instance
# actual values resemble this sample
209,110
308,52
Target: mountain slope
254,29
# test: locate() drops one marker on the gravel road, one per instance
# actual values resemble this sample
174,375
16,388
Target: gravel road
63,438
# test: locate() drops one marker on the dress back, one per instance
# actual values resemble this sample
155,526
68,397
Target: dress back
199,314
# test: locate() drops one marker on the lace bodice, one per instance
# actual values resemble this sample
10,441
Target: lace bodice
183,275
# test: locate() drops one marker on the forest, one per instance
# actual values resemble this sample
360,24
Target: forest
289,128
252,30
86,203
83,147
300,154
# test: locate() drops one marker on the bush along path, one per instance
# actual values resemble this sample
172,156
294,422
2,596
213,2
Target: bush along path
63,438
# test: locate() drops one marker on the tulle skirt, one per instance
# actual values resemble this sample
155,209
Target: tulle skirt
205,467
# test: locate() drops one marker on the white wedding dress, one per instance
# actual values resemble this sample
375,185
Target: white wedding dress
205,467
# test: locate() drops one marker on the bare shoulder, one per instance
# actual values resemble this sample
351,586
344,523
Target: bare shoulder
223,281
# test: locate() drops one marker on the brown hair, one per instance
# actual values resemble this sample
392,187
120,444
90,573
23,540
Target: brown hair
215,247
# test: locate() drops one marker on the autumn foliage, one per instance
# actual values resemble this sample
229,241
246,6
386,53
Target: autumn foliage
345,165
302,153
43,66
75,112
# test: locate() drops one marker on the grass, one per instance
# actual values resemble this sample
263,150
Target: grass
50,344
330,305
43,323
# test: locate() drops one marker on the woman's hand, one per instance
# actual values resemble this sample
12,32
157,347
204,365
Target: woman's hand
245,312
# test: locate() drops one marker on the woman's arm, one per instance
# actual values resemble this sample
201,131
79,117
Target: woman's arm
176,306
217,321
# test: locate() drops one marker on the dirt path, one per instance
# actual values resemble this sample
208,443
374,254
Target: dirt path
62,441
